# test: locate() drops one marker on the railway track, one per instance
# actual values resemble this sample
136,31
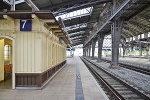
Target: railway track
137,69
115,88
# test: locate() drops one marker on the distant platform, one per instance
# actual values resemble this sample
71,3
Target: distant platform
135,61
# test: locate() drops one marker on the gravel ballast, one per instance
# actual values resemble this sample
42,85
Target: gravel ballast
137,79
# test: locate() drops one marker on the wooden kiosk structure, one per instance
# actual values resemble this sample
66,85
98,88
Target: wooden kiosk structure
38,47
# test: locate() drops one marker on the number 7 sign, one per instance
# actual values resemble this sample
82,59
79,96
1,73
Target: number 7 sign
25,25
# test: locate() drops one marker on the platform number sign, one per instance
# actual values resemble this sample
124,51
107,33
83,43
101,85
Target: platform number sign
25,25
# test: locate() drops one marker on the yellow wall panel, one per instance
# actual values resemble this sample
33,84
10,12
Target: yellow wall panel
29,52
38,53
21,52
32,52
25,52
35,51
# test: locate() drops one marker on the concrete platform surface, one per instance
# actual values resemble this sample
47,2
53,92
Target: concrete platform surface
62,86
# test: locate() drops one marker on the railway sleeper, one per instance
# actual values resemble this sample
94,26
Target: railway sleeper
119,87
131,97
125,92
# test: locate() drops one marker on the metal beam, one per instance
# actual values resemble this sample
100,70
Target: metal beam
108,21
79,40
133,30
128,31
145,27
77,43
8,2
73,5
32,5
62,4
81,37
77,17
19,1
81,6
76,30
137,28
77,34
79,23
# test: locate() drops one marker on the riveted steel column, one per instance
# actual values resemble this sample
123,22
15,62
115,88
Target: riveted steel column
140,49
147,47
83,51
116,30
86,51
124,51
100,45
132,47
147,51
93,47
89,49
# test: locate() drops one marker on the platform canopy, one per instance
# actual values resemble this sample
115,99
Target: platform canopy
80,17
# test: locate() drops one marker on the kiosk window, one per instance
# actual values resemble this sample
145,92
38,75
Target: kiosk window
7,51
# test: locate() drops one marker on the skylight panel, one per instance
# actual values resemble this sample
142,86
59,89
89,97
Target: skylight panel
76,13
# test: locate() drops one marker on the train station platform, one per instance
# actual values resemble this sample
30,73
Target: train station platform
137,62
73,82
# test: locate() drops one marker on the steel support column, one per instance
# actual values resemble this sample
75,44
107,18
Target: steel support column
119,51
93,47
132,47
147,51
12,2
140,49
89,50
86,49
116,30
100,45
83,51
124,51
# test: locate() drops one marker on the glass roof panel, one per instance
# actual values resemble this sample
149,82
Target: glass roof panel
76,13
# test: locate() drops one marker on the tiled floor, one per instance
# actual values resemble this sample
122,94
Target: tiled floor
61,87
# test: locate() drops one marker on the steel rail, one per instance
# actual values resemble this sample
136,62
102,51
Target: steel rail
142,94
109,87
